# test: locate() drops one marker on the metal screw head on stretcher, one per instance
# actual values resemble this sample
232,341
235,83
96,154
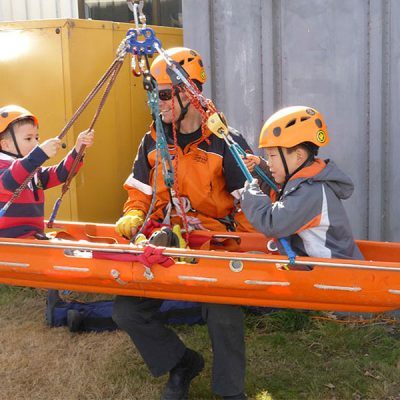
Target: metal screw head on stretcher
148,274
236,265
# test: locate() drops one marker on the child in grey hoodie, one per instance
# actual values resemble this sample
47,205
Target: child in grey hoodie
307,208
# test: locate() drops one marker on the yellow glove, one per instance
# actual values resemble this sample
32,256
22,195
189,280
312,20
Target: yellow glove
182,243
177,230
129,222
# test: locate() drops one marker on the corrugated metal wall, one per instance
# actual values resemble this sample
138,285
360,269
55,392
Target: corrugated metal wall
342,57
17,10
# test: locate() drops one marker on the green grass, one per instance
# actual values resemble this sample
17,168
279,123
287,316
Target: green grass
8,294
290,355
307,359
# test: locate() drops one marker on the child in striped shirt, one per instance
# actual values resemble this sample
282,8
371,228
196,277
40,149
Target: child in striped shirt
21,154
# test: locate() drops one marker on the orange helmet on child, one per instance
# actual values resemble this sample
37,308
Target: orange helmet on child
189,59
291,126
12,113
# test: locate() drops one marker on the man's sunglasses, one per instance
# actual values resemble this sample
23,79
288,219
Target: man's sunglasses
166,94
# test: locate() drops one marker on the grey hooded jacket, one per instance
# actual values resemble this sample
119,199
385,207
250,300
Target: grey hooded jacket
309,213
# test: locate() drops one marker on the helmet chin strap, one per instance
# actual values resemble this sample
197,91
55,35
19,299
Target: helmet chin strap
18,154
184,109
287,174
285,166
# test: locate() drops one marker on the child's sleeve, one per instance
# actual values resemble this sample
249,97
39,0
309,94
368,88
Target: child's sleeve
12,177
299,210
57,174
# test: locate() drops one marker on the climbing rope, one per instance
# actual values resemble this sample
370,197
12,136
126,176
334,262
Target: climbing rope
176,190
78,158
161,146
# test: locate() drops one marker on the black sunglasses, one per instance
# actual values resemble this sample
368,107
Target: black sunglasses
166,94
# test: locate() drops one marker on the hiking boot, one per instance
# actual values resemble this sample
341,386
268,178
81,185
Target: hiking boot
240,396
181,243
180,377
140,240
52,300
164,238
159,238
74,320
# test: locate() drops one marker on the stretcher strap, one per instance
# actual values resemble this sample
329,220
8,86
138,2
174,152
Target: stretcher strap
151,255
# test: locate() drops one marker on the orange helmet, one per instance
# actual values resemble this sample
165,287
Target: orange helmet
291,126
189,59
12,113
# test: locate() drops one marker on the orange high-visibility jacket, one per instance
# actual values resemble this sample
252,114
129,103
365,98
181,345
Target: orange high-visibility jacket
205,170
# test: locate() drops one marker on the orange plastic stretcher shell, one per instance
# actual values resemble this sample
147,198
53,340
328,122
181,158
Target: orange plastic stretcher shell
250,275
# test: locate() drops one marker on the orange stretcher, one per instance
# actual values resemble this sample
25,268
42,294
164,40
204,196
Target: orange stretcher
238,268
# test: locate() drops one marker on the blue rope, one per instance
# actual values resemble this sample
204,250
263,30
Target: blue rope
257,169
237,152
161,142
152,96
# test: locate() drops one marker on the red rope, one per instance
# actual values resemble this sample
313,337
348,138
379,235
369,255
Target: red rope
151,255
176,180
210,108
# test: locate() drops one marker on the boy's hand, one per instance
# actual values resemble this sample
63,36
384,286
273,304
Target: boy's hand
251,161
84,138
51,146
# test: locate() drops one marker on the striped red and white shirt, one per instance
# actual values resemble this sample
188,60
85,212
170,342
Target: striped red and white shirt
25,216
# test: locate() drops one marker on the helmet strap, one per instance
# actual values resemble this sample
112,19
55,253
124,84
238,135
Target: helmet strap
285,166
184,109
289,175
14,139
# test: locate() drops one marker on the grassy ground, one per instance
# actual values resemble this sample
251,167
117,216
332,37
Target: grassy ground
290,355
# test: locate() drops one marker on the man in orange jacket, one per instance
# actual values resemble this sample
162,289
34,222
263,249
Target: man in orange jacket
210,183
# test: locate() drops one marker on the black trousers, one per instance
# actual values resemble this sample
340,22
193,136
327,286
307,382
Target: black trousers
161,348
